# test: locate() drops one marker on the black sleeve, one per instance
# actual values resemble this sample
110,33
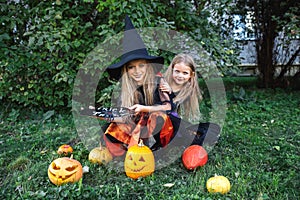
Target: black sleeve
173,105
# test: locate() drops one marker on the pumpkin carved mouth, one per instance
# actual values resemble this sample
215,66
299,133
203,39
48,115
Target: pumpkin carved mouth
136,170
140,160
64,170
62,177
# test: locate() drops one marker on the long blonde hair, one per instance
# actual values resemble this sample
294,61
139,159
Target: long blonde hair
129,93
189,96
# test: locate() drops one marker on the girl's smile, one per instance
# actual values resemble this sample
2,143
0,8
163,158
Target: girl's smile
137,69
181,74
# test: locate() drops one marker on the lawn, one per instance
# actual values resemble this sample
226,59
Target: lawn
258,151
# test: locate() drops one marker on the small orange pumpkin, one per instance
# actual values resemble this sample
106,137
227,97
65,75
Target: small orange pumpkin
100,155
218,184
194,156
64,170
65,149
139,161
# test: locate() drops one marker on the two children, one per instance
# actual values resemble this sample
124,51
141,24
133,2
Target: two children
152,99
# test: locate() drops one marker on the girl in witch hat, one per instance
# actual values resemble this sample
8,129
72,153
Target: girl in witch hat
139,75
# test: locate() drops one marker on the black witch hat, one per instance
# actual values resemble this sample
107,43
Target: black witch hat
133,49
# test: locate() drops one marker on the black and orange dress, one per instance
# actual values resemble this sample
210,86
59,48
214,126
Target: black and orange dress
155,125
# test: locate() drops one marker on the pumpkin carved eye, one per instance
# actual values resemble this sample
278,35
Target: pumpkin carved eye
55,167
142,159
70,169
130,157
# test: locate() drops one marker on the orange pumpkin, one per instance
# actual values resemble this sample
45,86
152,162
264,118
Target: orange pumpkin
100,155
65,149
194,156
139,161
64,170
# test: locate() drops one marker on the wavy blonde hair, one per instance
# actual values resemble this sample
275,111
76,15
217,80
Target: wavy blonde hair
189,96
129,93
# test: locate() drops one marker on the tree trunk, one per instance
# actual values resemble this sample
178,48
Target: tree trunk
265,49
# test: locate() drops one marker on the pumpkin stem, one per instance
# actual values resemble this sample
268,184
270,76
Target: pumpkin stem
71,156
141,143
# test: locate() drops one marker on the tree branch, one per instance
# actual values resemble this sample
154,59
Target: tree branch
288,64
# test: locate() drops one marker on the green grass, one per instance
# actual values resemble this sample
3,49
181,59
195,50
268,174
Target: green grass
258,152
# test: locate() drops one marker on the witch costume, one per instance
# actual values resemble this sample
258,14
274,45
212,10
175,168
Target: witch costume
155,126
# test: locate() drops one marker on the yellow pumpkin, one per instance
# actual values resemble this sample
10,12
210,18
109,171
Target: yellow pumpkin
65,149
218,184
139,161
64,170
100,155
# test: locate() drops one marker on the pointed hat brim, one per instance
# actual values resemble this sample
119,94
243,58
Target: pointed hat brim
133,49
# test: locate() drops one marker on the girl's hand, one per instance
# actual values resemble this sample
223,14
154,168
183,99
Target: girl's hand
165,87
138,108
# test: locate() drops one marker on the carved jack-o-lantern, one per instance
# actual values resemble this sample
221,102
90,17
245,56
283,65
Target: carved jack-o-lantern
139,161
65,149
64,170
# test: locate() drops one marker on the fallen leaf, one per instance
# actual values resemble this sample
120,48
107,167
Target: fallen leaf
169,184
237,174
44,151
85,169
277,148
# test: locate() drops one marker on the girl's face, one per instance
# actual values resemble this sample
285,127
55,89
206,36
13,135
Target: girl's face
137,69
181,74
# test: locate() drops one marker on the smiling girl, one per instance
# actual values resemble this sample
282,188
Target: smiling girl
182,78
138,74
182,85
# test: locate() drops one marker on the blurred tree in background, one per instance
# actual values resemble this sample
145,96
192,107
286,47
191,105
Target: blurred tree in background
277,38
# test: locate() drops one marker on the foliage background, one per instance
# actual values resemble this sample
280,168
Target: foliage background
44,43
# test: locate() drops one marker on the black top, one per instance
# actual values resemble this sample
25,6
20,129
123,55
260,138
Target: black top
175,106
159,98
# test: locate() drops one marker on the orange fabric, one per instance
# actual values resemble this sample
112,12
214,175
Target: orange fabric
120,131
130,133
135,134
166,131
115,149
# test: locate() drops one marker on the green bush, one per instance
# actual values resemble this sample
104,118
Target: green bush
39,64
